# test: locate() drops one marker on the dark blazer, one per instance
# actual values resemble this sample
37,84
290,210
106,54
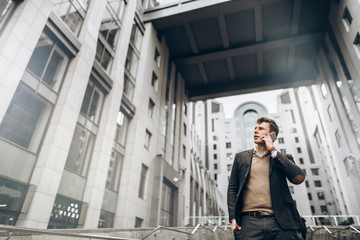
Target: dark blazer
281,167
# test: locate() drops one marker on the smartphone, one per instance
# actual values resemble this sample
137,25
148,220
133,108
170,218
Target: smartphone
273,136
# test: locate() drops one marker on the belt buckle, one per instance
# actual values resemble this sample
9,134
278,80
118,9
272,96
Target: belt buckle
256,214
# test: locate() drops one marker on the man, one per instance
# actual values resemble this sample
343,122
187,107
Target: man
259,201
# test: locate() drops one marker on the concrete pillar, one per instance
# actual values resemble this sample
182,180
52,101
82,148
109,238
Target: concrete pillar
52,158
17,43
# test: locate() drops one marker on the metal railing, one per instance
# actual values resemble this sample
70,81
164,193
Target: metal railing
17,231
332,220
349,232
208,220
12,229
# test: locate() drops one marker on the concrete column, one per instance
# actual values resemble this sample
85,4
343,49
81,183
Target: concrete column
52,158
17,43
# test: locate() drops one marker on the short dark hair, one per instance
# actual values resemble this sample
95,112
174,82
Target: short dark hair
272,124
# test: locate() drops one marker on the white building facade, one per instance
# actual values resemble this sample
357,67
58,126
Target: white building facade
96,128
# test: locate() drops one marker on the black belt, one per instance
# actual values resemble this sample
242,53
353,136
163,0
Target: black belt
257,214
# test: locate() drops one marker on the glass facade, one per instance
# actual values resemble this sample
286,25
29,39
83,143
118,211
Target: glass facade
65,213
167,205
144,170
72,12
109,32
250,118
12,196
83,141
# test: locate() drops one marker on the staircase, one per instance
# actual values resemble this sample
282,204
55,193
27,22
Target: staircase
162,233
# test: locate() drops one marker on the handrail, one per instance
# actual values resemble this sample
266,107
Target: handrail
354,229
184,232
167,228
328,230
12,229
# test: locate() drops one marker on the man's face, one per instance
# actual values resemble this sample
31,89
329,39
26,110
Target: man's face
260,131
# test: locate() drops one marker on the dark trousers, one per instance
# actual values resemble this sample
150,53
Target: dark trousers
263,228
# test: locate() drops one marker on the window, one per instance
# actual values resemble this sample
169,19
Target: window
129,87
82,145
338,138
164,125
144,170
229,156
154,81
215,166
307,183
212,125
215,107
72,13
298,150
229,166
78,159
317,183
93,101
215,156
114,171
330,112
296,139
323,209
292,116
106,219
285,98
215,138
315,171
184,129
301,160
357,44
66,210
151,107
309,196
281,140
185,109
167,204
323,90
291,188
108,34
304,170
312,209
294,130
214,146
147,139
184,151
47,63
228,145
132,61
282,150
136,36
118,8
157,57
138,222
321,196
26,118
12,198
215,176
349,161
122,128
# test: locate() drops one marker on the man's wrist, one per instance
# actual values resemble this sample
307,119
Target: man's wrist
272,150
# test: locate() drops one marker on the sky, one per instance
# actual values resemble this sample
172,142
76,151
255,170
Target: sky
267,98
